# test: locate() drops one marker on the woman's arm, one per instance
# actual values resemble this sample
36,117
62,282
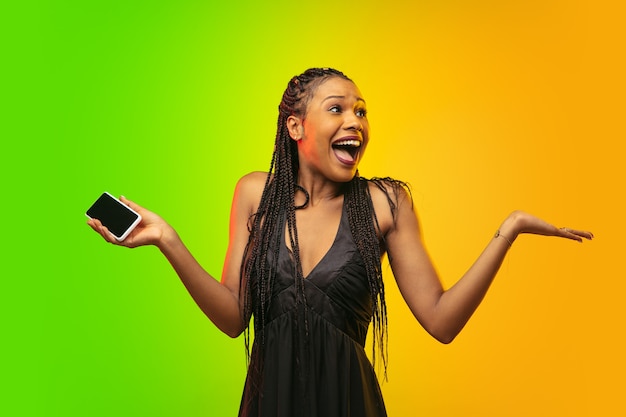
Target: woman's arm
444,313
218,300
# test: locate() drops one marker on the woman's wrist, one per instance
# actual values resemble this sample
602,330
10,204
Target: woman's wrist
509,229
168,240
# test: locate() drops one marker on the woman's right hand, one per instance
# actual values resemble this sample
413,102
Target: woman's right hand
152,230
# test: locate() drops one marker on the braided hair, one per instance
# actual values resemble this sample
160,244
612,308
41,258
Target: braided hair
277,203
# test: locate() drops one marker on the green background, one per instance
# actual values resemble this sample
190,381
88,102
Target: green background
157,101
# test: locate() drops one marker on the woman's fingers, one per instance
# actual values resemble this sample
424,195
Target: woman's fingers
102,230
148,231
575,234
131,204
534,225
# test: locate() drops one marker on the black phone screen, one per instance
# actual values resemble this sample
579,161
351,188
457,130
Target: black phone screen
113,214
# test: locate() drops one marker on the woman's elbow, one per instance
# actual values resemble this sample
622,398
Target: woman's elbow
234,335
444,336
234,332
445,339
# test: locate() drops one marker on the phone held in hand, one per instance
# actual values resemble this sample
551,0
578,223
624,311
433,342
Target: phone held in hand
115,215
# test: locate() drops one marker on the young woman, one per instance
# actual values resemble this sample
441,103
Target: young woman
306,241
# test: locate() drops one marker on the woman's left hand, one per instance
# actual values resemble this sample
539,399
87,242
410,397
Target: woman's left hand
521,222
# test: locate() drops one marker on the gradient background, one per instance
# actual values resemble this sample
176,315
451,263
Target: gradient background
483,106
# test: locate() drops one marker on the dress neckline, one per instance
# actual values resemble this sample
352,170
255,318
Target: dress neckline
330,249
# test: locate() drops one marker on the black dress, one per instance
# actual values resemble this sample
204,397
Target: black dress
335,378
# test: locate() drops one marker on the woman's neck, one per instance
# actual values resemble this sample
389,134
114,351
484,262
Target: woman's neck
319,190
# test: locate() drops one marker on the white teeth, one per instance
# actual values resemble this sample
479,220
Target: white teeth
350,142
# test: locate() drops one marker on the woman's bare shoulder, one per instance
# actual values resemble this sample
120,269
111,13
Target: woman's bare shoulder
250,189
389,191
389,196
253,180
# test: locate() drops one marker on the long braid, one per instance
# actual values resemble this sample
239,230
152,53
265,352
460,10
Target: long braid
360,219
277,205
368,237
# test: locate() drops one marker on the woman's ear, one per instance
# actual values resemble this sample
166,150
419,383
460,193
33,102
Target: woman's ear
294,125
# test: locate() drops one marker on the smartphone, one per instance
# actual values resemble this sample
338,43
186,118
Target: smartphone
115,215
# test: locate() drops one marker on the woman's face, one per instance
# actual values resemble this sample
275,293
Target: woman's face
334,131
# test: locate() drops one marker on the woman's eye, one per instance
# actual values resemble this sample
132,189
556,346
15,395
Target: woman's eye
361,112
335,109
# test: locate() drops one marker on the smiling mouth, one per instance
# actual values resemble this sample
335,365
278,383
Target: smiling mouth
347,150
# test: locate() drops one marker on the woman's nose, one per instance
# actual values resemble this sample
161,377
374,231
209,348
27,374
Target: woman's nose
353,122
